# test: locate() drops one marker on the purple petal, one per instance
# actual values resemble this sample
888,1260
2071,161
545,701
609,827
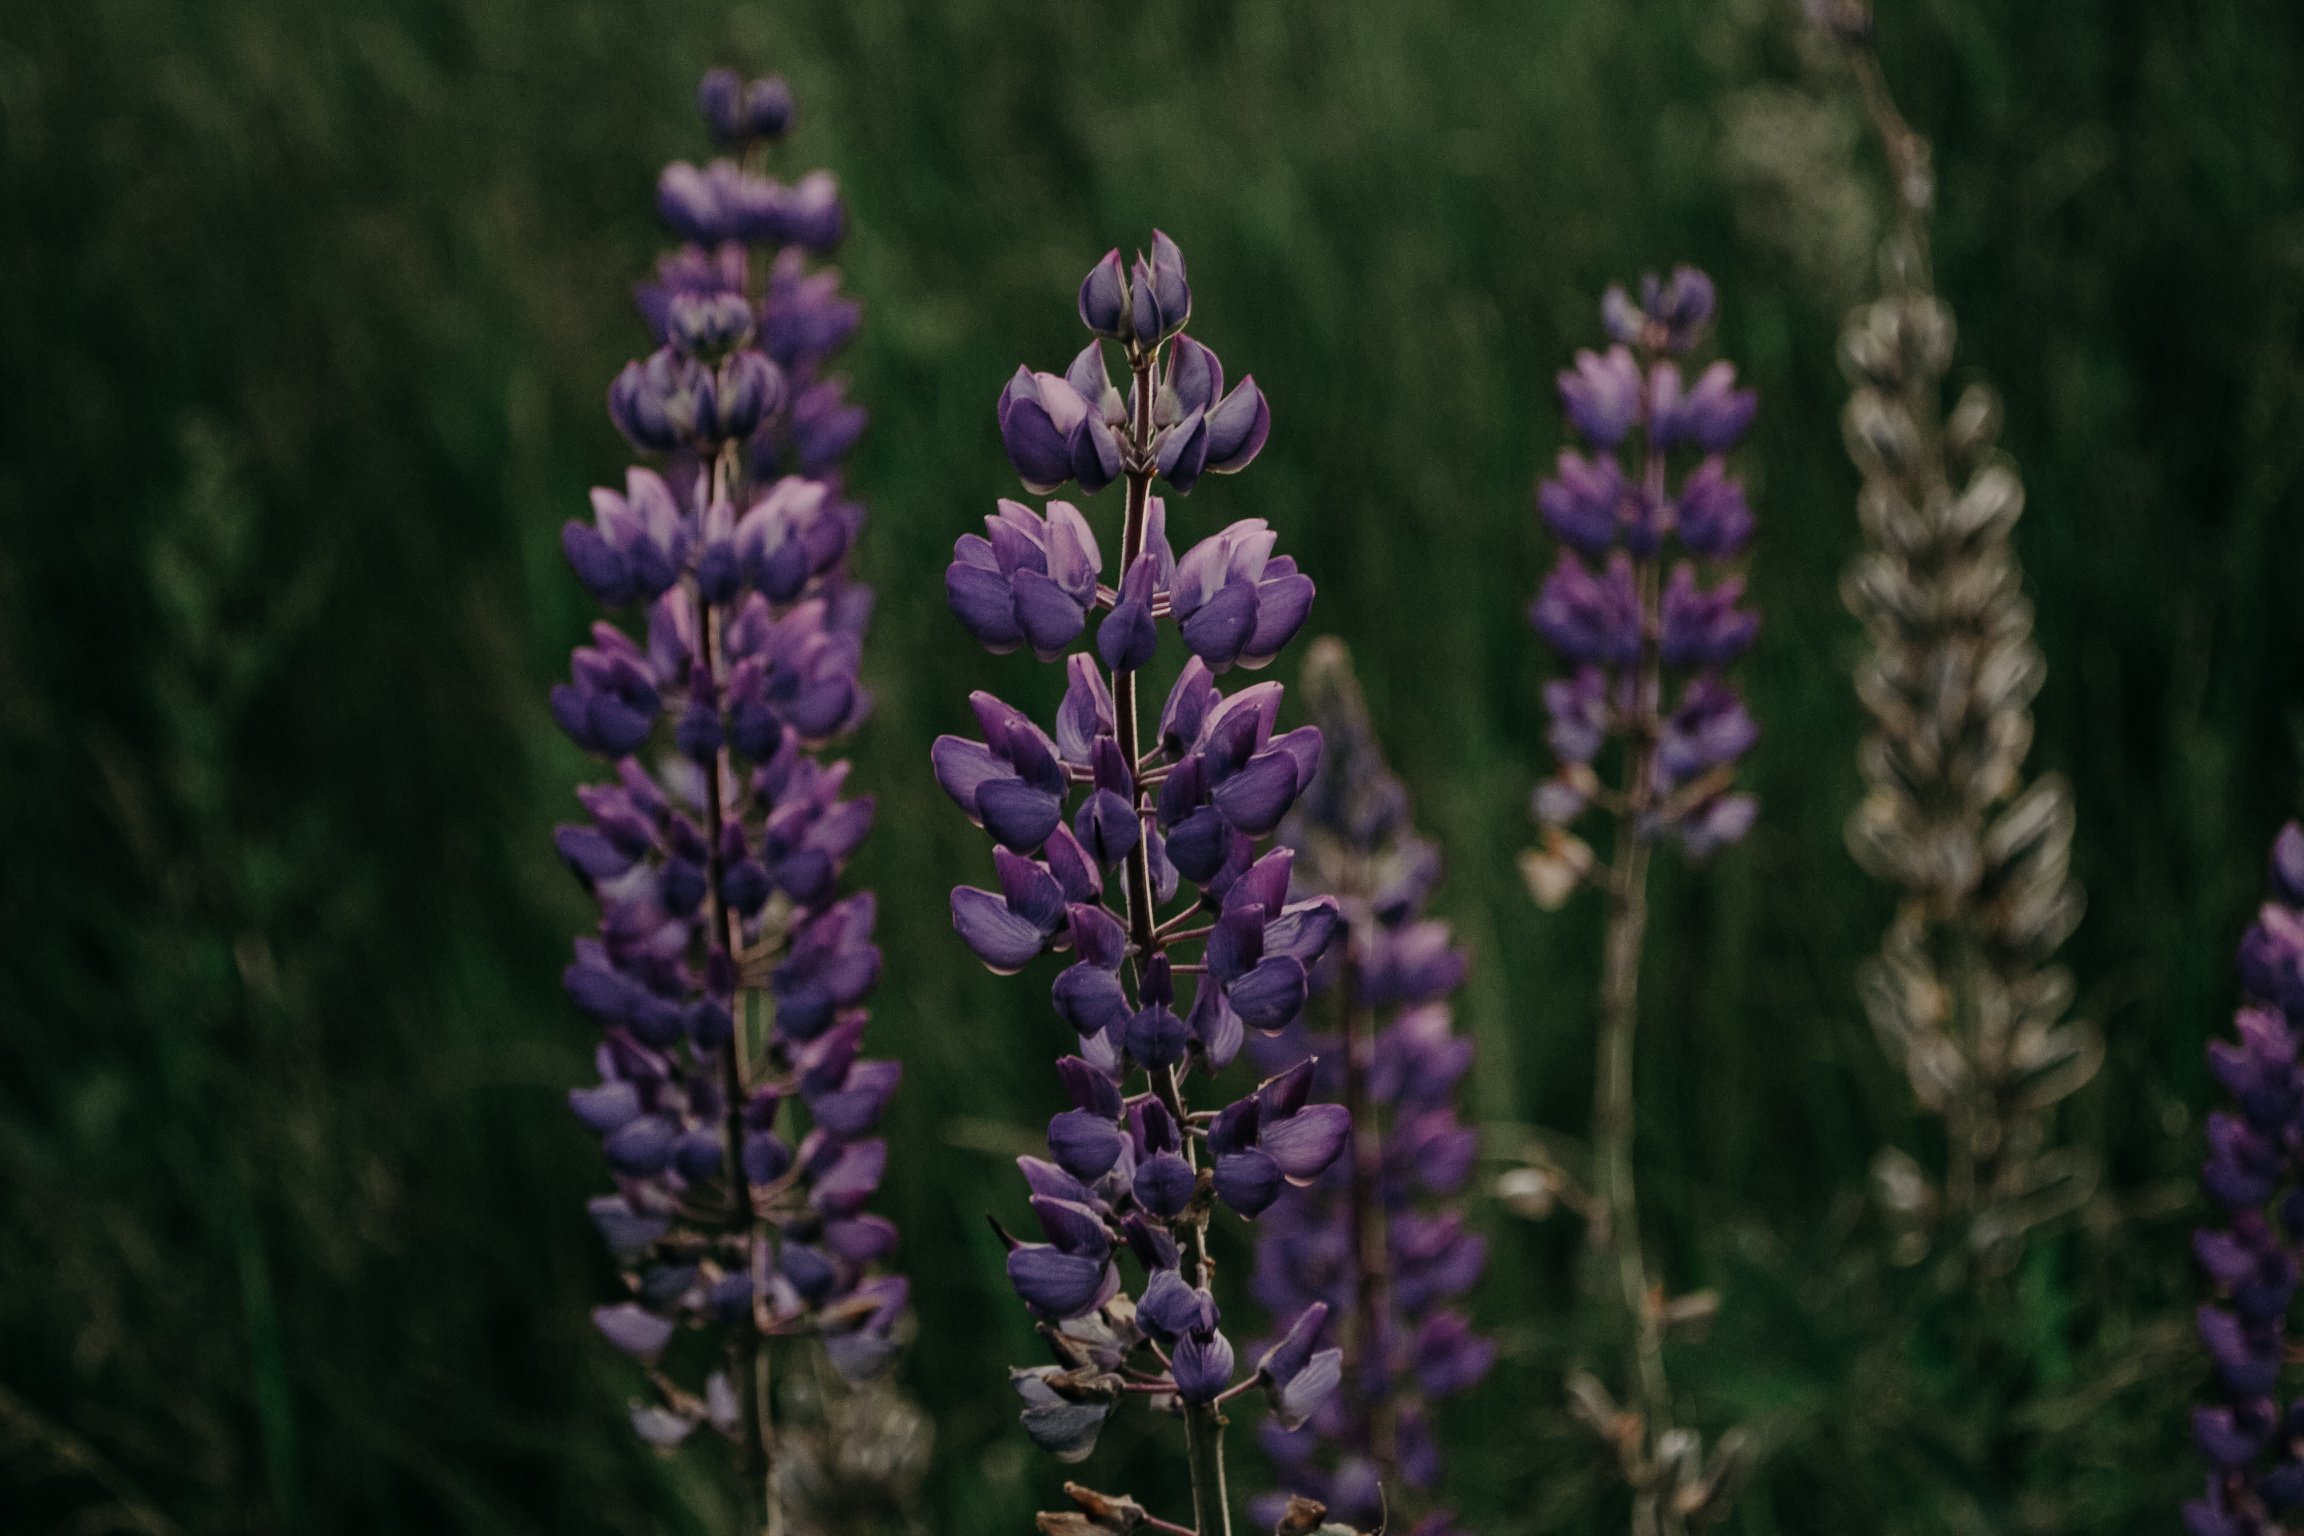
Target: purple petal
1104,297
1040,454
1005,942
634,1330
1308,1391
1258,796
1090,999
1195,374
1163,1184
1306,1142
1018,816
1049,617
1248,1182
1218,629
963,767
1203,1366
1084,1144
1183,453
985,605
1058,1284
1171,1307
1282,605
1303,932
1073,1226
1045,1178
1095,453
605,1108
1127,637
1156,1037
1238,427
1215,1025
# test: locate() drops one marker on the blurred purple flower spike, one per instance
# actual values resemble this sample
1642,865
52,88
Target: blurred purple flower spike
728,971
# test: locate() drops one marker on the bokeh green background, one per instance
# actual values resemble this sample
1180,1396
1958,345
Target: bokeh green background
306,308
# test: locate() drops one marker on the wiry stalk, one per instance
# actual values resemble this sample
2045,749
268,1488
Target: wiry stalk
1614,1114
1649,648
748,1359
1372,1266
1142,920
1203,1422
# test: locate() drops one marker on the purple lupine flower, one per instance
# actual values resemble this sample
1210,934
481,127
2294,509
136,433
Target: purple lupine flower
1646,642
1650,642
2254,1177
1377,1240
729,971
1137,859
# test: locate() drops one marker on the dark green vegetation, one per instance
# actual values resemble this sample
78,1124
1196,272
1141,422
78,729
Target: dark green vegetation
306,312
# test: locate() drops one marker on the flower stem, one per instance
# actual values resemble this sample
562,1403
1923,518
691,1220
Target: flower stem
748,1362
1141,918
1366,1341
1203,1422
1613,1108
1909,166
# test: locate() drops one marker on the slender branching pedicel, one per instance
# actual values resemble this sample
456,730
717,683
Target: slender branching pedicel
1964,994
1377,1240
729,970
2254,1176
1151,882
1648,648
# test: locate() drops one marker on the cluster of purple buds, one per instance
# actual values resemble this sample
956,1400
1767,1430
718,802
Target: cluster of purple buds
2254,1176
1122,852
1376,1240
1033,580
746,323
1058,428
729,971
1647,647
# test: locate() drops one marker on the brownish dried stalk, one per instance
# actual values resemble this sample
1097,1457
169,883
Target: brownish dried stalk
1965,994
1108,1514
850,1457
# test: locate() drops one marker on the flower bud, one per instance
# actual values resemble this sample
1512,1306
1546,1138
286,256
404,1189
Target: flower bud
767,108
708,325
1104,299
750,387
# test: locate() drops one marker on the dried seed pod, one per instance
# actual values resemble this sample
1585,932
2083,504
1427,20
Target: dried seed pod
1963,995
850,1458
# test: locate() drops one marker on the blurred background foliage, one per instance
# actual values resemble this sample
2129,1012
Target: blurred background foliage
306,311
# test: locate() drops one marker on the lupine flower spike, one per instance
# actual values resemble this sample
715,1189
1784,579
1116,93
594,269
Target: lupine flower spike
1647,642
2254,1177
1965,995
729,971
1136,856
1377,1240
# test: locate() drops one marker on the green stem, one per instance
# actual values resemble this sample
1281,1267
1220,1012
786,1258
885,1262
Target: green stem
748,1362
1614,1114
1372,1267
1203,1422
